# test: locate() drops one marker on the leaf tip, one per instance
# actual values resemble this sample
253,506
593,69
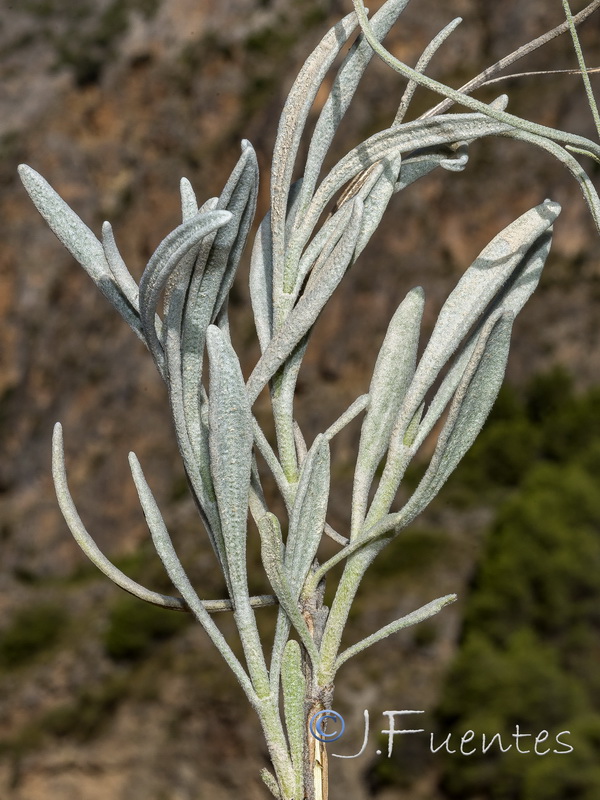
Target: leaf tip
57,435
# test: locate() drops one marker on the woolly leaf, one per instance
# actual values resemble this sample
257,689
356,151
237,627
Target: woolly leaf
294,692
392,375
477,288
79,241
307,519
168,556
512,298
421,614
342,92
291,126
310,305
165,259
272,559
189,204
230,442
85,541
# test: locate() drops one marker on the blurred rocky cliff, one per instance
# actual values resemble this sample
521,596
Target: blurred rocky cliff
113,101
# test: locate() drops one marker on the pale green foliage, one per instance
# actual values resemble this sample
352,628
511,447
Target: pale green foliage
181,307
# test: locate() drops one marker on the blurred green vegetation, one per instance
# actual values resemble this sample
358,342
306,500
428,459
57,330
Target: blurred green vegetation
32,631
530,643
135,627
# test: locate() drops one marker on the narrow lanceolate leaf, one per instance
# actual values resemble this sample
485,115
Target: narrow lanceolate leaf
242,206
218,255
291,126
261,283
305,314
271,550
377,201
307,519
168,556
422,65
181,276
213,273
79,241
294,692
195,455
189,204
321,246
353,410
470,407
341,94
68,227
230,442
474,398
392,375
271,783
428,133
421,614
512,298
118,267
163,262
261,270
85,541
478,287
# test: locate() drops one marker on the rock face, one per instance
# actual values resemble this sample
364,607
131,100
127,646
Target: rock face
112,103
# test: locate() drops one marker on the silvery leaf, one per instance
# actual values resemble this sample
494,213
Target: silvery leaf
419,134
85,541
342,92
230,442
261,270
261,283
242,205
353,410
378,200
291,127
319,249
512,297
216,267
79,241
477,288
168,556
293,684
307,519
392,375
272,558
472,296
163,262
310,305
195,454
118,268
189,204
470,407
422,65
421,614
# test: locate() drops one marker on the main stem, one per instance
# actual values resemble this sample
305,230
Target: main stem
318,698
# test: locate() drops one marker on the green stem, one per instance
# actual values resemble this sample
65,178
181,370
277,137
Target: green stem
354,570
